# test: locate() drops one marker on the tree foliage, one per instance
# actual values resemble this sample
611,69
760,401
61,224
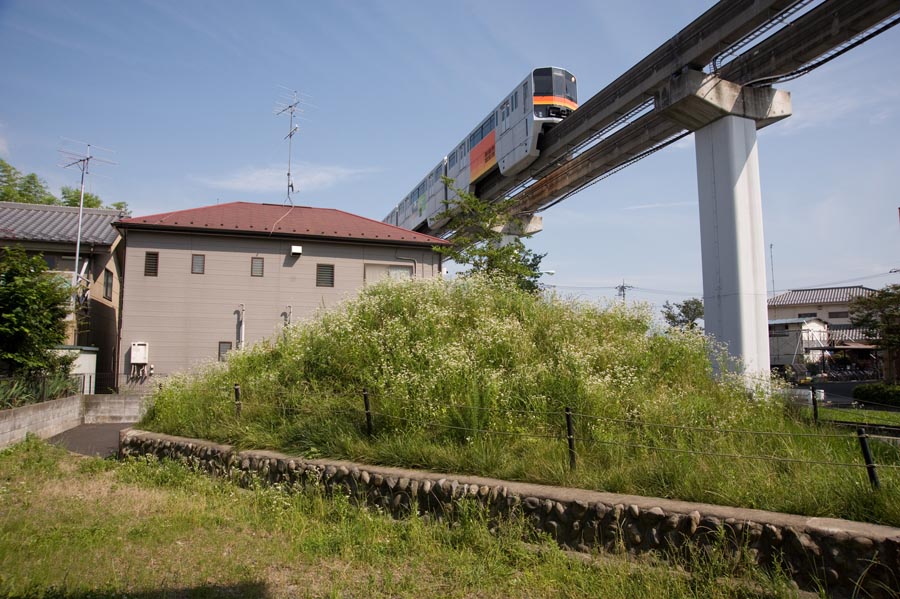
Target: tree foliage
879,315
683,315
28,189
478,241
71,196
34,304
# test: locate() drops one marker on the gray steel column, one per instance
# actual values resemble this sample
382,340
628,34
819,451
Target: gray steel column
731,241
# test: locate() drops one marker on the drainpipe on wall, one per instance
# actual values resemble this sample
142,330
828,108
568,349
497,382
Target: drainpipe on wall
240,339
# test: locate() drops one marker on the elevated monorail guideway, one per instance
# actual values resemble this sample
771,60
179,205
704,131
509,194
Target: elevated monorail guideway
608,117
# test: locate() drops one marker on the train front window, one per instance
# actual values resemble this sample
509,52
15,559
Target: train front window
543,82
554,93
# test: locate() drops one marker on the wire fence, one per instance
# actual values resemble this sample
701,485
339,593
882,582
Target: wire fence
565,419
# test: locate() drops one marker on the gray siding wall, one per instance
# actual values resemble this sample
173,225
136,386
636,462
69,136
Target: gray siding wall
184,316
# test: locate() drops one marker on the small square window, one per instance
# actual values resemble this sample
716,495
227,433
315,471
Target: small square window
324,275
257,267
107,284
224,348
151,264
198,264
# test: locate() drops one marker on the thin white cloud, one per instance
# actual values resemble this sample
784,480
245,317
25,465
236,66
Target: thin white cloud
4,147
306,176
823,105
659,205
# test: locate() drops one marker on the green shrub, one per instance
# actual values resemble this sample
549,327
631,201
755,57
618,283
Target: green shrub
878,393
27,388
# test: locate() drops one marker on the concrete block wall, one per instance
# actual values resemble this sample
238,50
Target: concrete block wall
50,418
43,419
103,409
845,558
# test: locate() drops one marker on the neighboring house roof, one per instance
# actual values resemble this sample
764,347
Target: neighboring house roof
59,224
848,335
794,321
819,296
249,218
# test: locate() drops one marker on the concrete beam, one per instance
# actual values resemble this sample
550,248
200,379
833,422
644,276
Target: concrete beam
522,226
694,99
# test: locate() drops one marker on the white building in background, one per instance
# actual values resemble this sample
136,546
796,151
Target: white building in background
797,340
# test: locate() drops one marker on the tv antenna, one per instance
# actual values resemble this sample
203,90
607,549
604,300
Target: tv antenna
291,107
82,160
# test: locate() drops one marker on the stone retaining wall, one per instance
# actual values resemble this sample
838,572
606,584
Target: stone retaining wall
846,558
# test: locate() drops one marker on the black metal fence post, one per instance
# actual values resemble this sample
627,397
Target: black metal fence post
237,399
570,436
369,426
815,404
867,456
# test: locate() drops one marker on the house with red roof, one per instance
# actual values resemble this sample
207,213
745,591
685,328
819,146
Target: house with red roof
203,281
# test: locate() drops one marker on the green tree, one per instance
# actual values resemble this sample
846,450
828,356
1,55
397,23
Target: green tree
478,241
683,315
34,304
33,190
878,315
71,196
9,182
121,207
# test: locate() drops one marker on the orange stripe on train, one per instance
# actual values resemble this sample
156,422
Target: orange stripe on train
555,101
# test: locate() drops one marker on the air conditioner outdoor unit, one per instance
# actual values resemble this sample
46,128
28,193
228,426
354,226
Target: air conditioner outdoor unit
296,250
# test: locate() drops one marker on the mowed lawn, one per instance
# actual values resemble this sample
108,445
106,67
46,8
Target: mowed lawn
83,527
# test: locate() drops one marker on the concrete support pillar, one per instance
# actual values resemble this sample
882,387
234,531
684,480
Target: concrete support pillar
731,241
724,117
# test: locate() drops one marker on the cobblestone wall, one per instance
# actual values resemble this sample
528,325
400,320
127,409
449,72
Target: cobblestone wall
847,558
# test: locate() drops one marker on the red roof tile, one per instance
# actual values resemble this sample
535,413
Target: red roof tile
275,219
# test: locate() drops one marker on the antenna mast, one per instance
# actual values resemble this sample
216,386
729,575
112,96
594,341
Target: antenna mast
83,162
290,108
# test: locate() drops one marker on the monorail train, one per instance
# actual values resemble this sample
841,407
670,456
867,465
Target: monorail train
506,139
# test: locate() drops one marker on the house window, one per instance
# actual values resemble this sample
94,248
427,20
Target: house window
257,267
324,275
151,264
198,264
107,284
224,348
839,315
807,315
400,272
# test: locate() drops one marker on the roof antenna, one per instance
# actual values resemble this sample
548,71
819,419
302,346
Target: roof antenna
83,161
290,107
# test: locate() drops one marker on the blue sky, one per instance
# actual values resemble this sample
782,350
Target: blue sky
184,93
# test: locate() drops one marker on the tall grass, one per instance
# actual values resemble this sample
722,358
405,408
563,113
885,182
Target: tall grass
445,360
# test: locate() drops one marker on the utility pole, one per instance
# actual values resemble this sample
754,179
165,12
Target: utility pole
622,288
